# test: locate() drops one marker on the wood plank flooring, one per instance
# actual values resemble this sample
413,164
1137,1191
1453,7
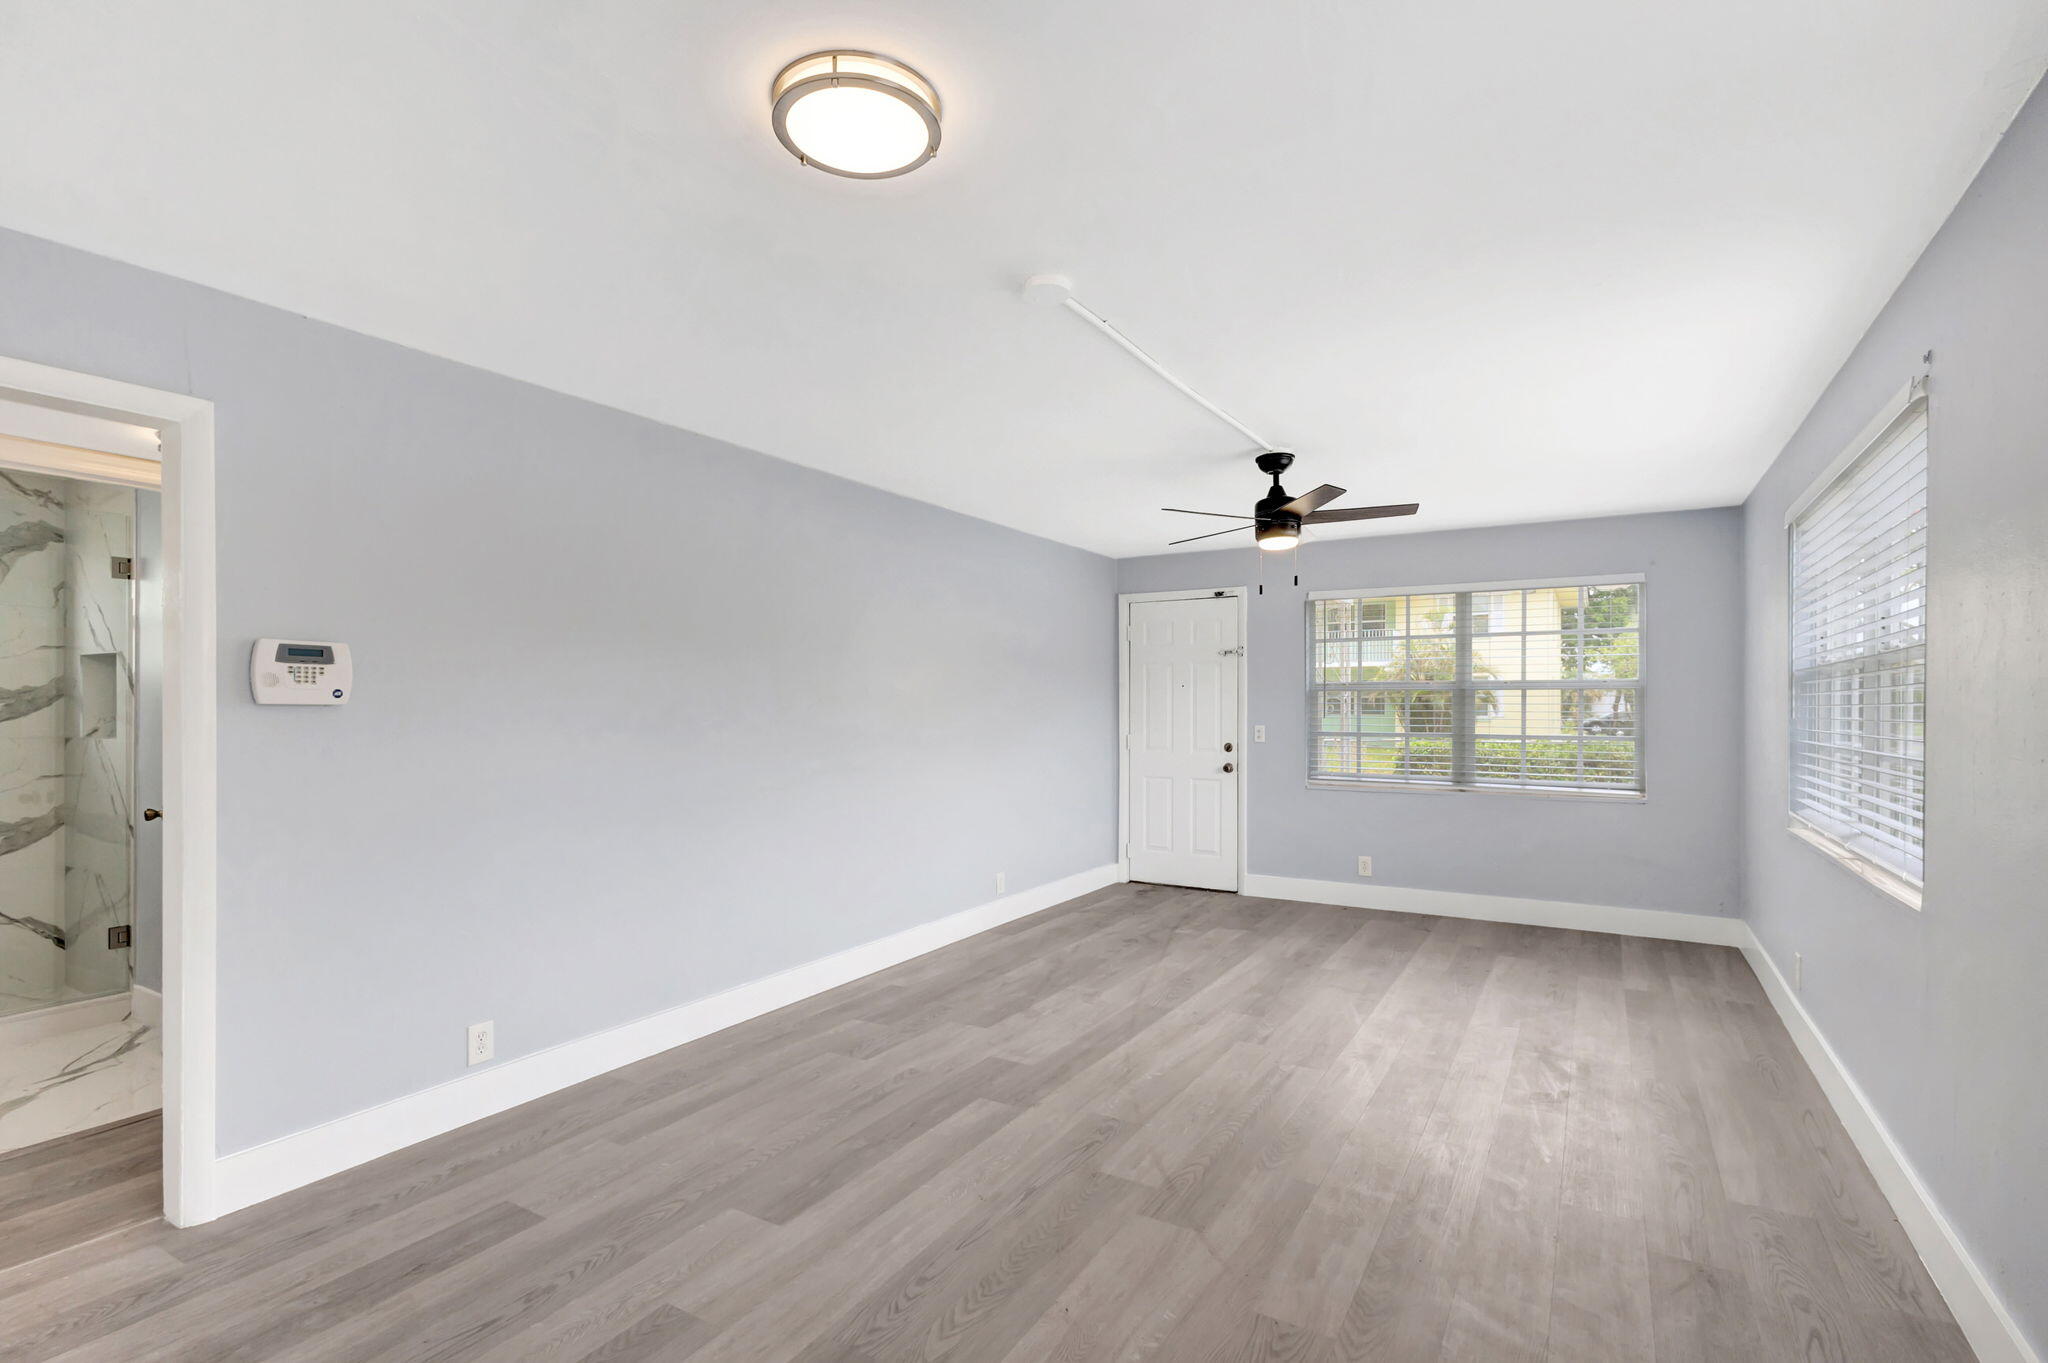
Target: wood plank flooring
77,1188
1151,1123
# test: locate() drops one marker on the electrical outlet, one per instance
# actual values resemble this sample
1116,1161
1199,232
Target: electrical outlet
1001,881
1258,733
1365,866
482,1045
1798,970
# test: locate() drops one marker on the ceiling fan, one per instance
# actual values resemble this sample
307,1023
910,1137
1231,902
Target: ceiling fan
1277,518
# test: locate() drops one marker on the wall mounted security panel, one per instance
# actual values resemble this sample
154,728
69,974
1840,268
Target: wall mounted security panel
300,672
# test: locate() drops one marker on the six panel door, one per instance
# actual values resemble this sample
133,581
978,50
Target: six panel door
1182,742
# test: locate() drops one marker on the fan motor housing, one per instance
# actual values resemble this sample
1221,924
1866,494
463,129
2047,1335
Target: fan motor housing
1274,463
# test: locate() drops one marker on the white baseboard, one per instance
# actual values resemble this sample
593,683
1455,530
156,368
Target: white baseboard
146,1005
1974,1302
1491,908
260,1172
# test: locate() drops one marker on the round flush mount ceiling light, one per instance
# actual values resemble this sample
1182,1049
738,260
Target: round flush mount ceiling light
856,114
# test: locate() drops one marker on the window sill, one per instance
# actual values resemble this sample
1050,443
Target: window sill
1605,797
1883,878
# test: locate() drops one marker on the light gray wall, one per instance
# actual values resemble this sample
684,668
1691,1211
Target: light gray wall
1940,1014
638,716
1676,850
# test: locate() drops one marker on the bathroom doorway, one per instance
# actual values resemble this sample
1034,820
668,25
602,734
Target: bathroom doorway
81,903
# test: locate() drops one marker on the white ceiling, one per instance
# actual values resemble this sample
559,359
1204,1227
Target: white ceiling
1516,261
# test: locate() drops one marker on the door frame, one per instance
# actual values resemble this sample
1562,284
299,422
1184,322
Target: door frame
189,733
1124,602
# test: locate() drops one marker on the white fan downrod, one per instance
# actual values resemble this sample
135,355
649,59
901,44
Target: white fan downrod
1053,288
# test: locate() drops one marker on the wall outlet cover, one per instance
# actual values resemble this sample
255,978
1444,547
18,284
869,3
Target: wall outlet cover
482,1044
1001,881
1258,733
1365,866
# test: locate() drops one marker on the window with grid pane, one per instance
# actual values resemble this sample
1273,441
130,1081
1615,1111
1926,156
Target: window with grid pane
1515,686
1859,651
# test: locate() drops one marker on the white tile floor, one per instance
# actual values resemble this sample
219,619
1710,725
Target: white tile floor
77,1079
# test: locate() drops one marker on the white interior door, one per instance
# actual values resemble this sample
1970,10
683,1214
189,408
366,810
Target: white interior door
1182,747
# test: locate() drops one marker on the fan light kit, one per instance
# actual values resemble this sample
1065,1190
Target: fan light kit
1277,518
856,114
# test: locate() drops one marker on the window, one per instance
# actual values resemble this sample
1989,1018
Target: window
1513,686
1859,648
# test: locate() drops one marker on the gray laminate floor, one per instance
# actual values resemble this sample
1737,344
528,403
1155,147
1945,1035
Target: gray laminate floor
1149,1123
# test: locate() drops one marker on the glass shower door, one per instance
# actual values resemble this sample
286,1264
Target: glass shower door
67,725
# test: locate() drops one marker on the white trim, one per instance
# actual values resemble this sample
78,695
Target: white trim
190,723
1124,601
1599,580
58,1018
1888,416
1611,797
1975,1303
1543,913
1899,887
146,1005
92,434
41,456
250,1176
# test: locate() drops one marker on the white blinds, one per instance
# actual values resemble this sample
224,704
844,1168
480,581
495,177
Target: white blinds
1859,650
1533,686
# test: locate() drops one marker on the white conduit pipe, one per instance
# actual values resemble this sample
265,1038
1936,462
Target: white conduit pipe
1055,287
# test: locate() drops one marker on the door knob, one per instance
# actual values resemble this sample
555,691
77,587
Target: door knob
1230,766
151,815
1230,747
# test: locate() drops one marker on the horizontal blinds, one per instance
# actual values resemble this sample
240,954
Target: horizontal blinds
1859,650
1521,686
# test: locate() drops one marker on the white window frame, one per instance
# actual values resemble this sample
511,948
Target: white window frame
1640,684
1893,881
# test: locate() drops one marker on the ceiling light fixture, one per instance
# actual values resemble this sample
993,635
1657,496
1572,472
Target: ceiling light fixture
856,114
1279,536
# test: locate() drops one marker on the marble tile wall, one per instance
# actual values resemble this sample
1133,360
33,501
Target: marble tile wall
33,722
66,731
99,763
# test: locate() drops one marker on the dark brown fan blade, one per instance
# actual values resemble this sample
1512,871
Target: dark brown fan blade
1226,514
1362,513
1309,501
1211,535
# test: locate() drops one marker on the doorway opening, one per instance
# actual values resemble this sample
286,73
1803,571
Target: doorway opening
81,985
107,798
